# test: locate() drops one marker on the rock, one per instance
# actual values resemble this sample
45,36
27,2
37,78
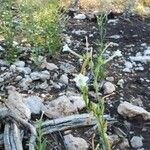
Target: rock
136,142
18,78
110,79
34,103
51,66
44,75
44,85
1,80
64,79
80,16
75,143
63,106
124,145
67,68
25,70
19,63
25,82
108,88
113,139
16,105
1,49
115,37
126,109
35,76
121,83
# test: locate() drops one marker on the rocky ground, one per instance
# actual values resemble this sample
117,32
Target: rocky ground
51,88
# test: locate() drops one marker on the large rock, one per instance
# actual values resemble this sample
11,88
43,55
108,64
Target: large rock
127,109
75,143
16,106
63,106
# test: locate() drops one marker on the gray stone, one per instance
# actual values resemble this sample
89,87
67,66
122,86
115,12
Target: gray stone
80,16
67,68
75,143
51,66
136,142
44,85
19,63
34,103
25,83
35,76
110,79
25,70
45,75
64,79
109,88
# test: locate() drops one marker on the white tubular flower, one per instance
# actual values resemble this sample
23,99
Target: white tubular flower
67,49
116,54
81,80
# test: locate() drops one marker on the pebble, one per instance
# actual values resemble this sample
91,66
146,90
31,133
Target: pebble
1,80
80,16
25,82
109,88
136,142
34,103
19,63
51,66
110,79
43,86
67,68
25,70
75,143
64,79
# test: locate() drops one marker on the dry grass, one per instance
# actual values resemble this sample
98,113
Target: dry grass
139,6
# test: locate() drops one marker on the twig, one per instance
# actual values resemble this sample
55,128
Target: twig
70,122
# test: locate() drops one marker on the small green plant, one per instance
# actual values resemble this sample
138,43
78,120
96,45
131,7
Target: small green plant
41,141
97,68
42,24
9,30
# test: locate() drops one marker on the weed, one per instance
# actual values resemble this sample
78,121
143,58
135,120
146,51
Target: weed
41,141
9,30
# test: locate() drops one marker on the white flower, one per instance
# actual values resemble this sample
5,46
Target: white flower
81,80
116,54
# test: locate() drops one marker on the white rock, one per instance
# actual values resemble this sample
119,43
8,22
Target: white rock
34,103
121,83
51,66
126,109
19,63
75,143
63,106
79,32
136,142
111,79
109,88
115,37
18,78
64,79
80,16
